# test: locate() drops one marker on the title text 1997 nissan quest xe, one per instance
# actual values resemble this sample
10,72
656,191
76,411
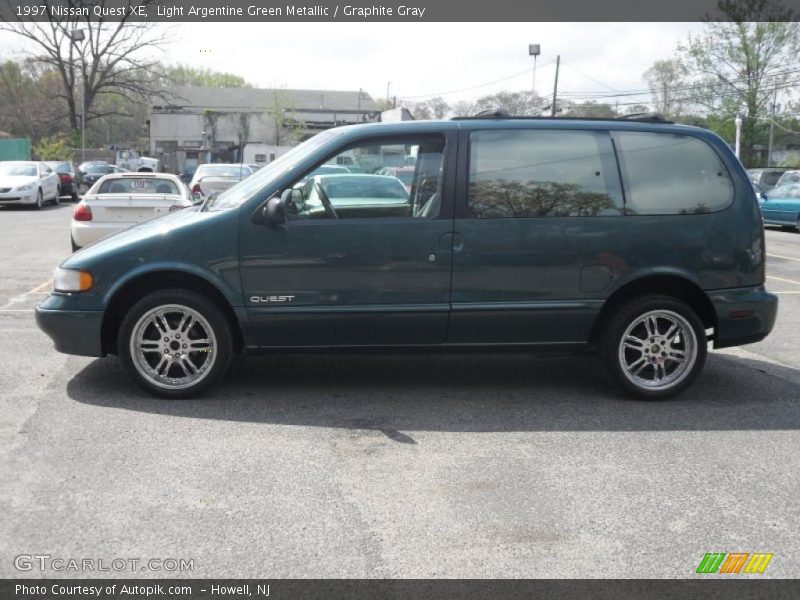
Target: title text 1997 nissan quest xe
638,238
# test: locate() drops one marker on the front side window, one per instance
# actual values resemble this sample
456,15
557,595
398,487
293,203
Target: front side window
542,173
364,181
669,174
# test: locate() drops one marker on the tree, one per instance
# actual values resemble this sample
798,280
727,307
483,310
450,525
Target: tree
26,95
667,82
589,110
737,66
463,108
518,104
53,148
435,108
183,76
113,58
281,110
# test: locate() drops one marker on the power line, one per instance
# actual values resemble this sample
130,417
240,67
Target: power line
474,87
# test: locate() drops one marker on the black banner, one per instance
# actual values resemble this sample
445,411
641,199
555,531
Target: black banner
731,588
383,11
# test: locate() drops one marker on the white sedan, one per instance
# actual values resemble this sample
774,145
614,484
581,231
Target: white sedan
213,178
27,182
121,200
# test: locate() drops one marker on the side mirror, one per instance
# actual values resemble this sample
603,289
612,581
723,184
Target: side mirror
274,213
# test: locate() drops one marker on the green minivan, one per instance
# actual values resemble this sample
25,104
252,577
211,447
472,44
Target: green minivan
638,239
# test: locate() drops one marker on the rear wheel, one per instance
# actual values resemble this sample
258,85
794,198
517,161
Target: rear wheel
175,343
654,347
75,246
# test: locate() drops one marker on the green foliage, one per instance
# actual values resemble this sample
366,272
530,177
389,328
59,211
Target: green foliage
736,66
792,162
184,75
53,148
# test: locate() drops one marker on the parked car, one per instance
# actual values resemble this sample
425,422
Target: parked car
404,174
27,182
213,178
92,170
69,182
187,173
787,177
636,239
767,178
118,201
781,206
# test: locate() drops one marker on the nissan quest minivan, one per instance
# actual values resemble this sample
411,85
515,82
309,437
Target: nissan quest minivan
635,238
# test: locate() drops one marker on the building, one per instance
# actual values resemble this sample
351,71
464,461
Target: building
194,125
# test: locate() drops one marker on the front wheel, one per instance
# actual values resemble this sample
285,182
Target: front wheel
175,343
654,347
39,201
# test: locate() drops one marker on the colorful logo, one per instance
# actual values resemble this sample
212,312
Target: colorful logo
734,562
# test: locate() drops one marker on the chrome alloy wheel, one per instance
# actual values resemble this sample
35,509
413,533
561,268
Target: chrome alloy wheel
658,350
173,346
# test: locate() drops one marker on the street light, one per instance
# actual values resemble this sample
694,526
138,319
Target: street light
534,50
77,35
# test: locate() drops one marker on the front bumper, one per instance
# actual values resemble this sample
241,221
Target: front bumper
72,331
744,315
18,198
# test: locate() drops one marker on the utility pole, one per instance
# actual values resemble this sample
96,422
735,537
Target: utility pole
772,128
388,95
358,109
555,87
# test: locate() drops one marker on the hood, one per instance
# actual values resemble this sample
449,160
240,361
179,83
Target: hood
154,233
12,181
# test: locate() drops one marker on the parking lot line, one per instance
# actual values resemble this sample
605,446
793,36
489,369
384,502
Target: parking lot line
42,287
784,280
784,257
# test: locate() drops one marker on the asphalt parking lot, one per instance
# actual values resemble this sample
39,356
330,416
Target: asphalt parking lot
393,466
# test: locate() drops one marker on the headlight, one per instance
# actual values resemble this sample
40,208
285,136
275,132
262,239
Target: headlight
25,188
71,280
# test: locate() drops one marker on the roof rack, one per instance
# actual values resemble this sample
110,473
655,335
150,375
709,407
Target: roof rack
652,117
502,113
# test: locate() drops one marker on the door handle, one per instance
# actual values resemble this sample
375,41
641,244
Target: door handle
451,242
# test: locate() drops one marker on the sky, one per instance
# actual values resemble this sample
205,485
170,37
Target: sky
458,61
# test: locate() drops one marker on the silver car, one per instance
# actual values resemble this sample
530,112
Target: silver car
27,182
213,178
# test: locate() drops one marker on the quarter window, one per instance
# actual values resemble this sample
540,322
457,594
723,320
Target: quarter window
669,174
542,173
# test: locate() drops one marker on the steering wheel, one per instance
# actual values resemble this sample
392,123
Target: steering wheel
326,202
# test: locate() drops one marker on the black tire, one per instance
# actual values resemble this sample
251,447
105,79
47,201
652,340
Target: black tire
57,199
75,246
39,201
214,318
74,195
657,352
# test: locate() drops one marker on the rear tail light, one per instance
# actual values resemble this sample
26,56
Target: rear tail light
81,212
196,189
65,177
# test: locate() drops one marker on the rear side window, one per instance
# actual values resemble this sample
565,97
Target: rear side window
669,174
540,173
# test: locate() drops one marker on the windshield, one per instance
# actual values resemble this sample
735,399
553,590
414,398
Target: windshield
363,186
60,167
246,188
96,168
18,169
